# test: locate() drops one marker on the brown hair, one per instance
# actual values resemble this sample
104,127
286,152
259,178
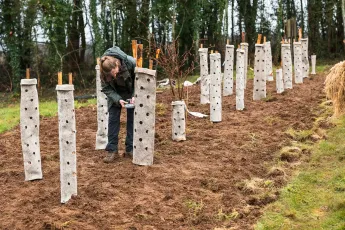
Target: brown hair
107,64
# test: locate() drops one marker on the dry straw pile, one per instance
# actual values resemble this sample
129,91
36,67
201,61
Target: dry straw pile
335,87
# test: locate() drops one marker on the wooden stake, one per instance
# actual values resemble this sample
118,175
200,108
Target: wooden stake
70,79
140,55
299,34
27,76
264,39
158,51
151,64
59,78
243,37
259,39
134,48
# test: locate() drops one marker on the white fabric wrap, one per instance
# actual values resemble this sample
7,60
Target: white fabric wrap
29,126
259,91
239,79
144,116
268,61
279,81
215,88
67,141
287,66
305,60
244,46
298,62
205,81
313,64
178,121
228,81
102,114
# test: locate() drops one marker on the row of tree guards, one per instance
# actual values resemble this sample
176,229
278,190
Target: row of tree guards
145,93
144,126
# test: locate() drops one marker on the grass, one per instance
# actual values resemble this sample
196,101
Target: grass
314,199
10,114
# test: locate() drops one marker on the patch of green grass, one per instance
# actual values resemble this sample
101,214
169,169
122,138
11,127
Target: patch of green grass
299,135
10,115
314,199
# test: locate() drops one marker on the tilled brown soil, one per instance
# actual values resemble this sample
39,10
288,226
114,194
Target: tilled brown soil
192,185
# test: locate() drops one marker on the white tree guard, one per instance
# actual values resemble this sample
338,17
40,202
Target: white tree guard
228,83
102,114
268,61
144,116
298,62
259,91
244,46
178,121
305,60
287,66
215,88
29,126
279,81
67,141
240,56
205,82
313,64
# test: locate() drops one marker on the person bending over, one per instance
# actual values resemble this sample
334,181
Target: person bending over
117,79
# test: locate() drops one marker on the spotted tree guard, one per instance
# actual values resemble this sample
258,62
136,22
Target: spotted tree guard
259,91
305,60
205,81
67,142
287,66
102,114
268,61
228,82
298,62
29,127
240,55
244,46
279,81
313,64
144,116
215,88
178,121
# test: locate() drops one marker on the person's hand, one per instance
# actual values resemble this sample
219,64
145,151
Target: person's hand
132,100
122,103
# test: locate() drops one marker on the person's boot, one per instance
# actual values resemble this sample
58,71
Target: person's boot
111,156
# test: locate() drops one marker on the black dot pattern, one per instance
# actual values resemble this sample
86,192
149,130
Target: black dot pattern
67,144
260,76
29,122
102,114
178,121
215,88
287,66
228,82
144,117
298,65
204,84
240,79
